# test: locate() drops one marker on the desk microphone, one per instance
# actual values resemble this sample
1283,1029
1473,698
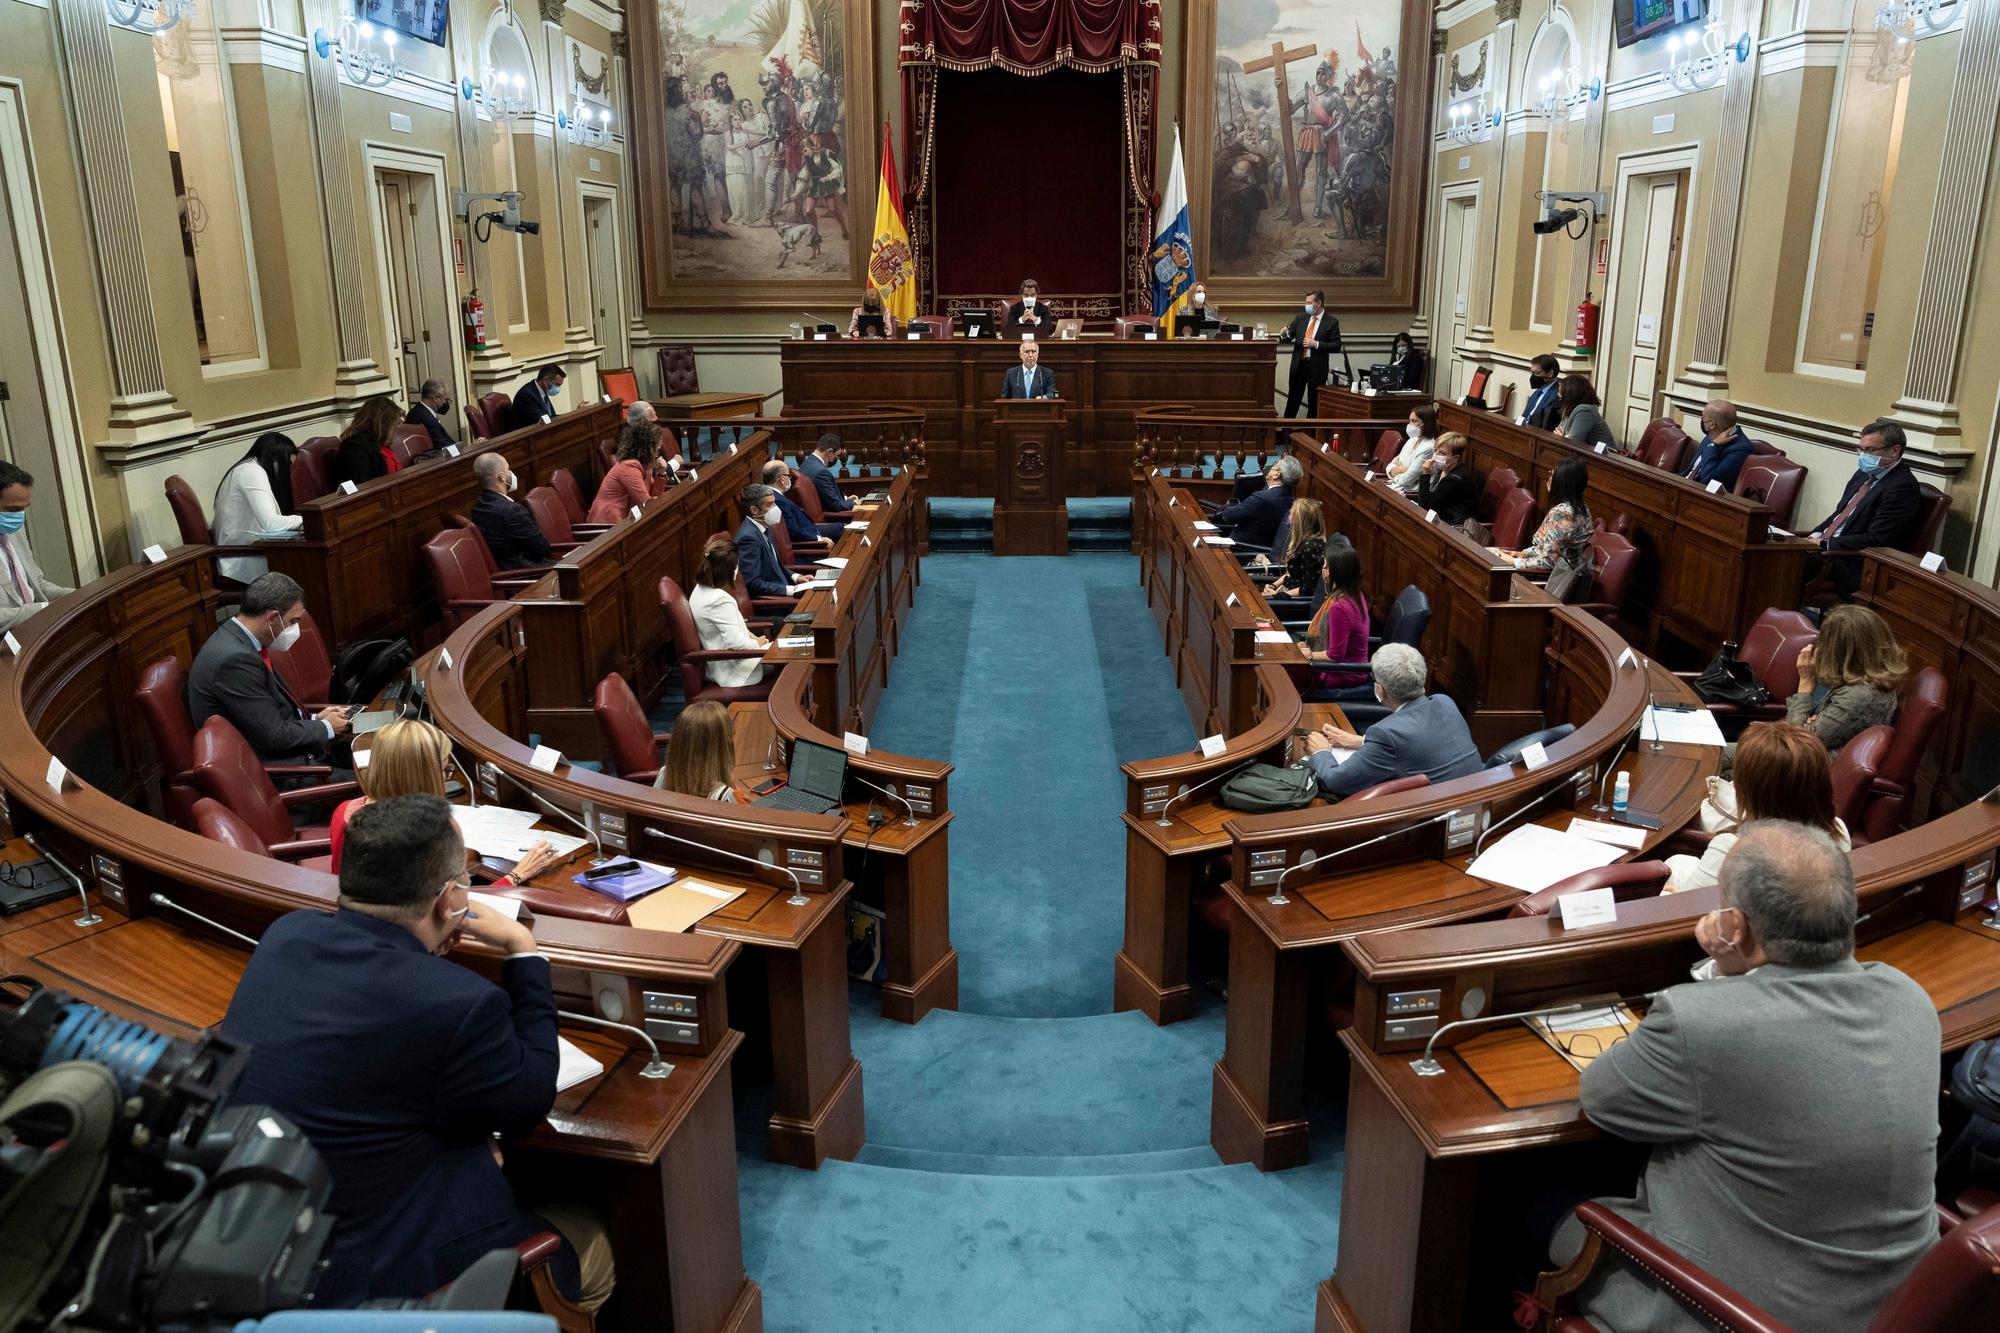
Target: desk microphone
1187,791
1312,858
1910,892
815,318
471,787
161,900
557,812
89,918
655,1068
1611,764
909,811
798,898
1500,823
1427,1067
1653,711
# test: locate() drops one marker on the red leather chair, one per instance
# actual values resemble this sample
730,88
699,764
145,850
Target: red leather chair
1925,701
215,822
806,497
407,443
622,385
1773,481
188,515
571,497
1935,505
695,684
491,416
631,746
1956,1286
1771,651
937,326
312,470
1511,517
162,699
1391,787
1128,327
677,370
1387,445
1616,559
802,563
1480,379
307,669
227,771
1663,444
516,578
537,1253
462,569
551,518
1854,770
1626,880
1498,482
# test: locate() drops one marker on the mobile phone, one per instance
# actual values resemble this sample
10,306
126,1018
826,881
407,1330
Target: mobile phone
767,788
1636,819
801,617
1672,706
614,869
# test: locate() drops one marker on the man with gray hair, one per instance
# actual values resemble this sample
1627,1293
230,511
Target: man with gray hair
764,573
1424,733
511,532
433,401
1254,519
1792,1101
641,412
805,534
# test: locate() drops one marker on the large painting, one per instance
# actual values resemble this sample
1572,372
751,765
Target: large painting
1306,156
755,150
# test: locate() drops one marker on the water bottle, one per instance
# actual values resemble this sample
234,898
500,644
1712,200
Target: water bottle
1621,792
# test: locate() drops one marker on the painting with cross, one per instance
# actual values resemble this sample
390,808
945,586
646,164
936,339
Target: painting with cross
1303,145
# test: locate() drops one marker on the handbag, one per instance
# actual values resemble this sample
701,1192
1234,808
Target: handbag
1571,578
1728,679
1478,531
1267,789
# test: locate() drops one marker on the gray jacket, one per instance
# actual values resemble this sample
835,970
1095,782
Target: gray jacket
1847,711
1586,425
1426,735
17,561
1793,1113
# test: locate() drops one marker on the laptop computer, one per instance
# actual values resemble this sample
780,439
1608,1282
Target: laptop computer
815,780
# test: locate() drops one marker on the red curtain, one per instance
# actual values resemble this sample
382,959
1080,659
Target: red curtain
1034,36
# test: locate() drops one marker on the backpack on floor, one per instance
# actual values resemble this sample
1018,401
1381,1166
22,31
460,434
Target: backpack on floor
1262,789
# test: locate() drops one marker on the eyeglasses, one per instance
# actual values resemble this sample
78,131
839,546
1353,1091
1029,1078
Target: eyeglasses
1878,449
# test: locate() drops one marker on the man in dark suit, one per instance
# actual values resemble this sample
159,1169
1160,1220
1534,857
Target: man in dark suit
1544,411
402,1067
1254,520
1724,447
232,675
1424,733
1449,487
535,401
798,524
1791,1102
764,574
1312,335
1029,380
433,401
1880,507
817,467
1029,315
510,530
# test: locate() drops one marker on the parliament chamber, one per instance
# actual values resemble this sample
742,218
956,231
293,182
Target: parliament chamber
1099,664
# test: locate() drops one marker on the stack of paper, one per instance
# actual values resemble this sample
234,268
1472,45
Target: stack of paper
1273,636
574,1064
1696,727
1618,835
1533,857
495,830
833,562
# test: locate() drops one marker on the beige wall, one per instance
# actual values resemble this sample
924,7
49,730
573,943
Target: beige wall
1773,217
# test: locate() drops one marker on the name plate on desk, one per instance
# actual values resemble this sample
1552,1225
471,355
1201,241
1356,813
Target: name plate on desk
820,337
854,743
13,644
56,775
1592,907
1932,562
348,488
1211,746
1602,447
1026,336
545,758
451,451
1534,756
1714,487
155,554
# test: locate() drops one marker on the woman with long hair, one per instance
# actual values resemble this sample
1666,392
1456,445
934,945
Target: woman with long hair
413,758
635,478
701,756
1782,772
1305,554
364,446
1849,679
1339,630
1582,415
1566,529
253,501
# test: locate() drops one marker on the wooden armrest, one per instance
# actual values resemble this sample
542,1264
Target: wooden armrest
783,604
724,654
301,847
538,1249
1694,1287
326,791
296,771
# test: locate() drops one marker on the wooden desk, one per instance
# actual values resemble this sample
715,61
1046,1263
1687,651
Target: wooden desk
361,561
706,405
1343,404
1030,477
1104,381
1418,1149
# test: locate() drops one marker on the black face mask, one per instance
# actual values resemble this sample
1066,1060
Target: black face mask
442,407
1540,381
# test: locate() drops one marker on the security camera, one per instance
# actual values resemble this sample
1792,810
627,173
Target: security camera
1557,219
507,217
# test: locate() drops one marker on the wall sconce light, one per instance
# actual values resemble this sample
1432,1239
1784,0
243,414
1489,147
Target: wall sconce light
586,125
1698,63
1564,91
148,16
1899,24
503,96
1471,122
367,53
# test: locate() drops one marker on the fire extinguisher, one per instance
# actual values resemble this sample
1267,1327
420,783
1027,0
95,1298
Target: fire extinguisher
1586,324
475,321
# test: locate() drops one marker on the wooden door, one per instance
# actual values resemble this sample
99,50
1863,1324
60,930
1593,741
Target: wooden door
1640,354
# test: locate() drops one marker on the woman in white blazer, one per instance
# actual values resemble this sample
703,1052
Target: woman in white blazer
719,620
1406,469
255,499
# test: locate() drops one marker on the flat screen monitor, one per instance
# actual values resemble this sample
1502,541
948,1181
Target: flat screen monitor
1637,20
424,20
871,326
1188,321
978,323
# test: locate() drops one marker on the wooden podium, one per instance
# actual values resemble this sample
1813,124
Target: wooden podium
1030,516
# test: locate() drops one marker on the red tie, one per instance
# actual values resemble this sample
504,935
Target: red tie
265,653
1840,519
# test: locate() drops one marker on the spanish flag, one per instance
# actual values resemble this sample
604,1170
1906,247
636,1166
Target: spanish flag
892,269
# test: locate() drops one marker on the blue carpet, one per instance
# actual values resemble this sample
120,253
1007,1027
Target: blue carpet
1035,1159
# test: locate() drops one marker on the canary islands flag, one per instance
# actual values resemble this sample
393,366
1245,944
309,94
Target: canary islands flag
892,269
1172,255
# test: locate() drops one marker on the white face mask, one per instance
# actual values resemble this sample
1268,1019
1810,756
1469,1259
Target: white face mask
1413,430
1028,302
513,483
287,636
1201,298
774,517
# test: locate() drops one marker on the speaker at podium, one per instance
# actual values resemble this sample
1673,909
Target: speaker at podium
1030,515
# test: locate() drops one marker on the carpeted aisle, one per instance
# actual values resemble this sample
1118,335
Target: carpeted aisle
1035,1158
